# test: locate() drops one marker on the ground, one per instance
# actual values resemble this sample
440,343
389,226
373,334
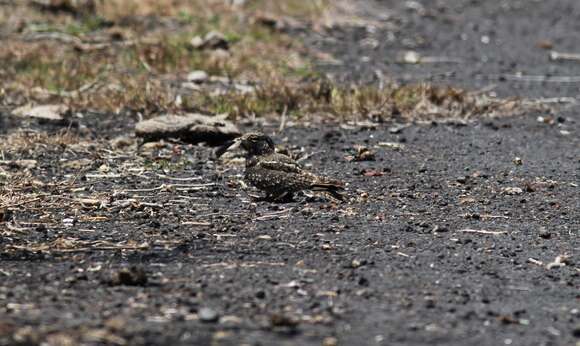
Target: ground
456,232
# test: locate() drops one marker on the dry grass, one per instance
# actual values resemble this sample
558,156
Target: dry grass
128,48
129,55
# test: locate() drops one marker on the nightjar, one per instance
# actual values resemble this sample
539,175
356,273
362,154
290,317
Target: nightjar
279,175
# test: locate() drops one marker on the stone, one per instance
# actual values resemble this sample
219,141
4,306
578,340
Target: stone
190,128
212,40
513,191
71,6
49,113
197,77
128,276
208,315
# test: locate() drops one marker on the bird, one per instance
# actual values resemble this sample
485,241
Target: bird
278,175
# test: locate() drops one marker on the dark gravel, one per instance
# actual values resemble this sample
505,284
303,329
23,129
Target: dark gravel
493,40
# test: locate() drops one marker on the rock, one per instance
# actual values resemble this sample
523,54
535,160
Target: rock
576,331
49,113
545,44
208,315
440,229
190,128
70,6
197,77
544,233
283,320
397,128
212,40
371,173
277,23
410,57
129,276
513,191
196,42
362,154
330,341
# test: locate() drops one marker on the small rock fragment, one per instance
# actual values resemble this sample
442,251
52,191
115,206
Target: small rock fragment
212,40
544,234
397,128
208,315
439,229
128,276
410,57
70,6
518,161
371,173
283,320
197,77
51,113
362,154
513,191
190,128
545,44
576,331
355,263
277,23
330,341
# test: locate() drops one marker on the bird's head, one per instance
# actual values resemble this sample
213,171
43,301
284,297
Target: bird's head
254,143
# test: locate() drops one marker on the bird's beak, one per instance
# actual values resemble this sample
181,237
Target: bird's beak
229,145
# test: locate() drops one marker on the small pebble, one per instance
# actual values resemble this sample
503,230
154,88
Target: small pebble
208,315
545,234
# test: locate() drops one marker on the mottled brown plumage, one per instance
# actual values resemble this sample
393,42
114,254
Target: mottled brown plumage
277,174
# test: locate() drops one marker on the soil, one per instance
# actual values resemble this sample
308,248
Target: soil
454,234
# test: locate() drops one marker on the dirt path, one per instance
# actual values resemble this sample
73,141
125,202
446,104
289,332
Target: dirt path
504,46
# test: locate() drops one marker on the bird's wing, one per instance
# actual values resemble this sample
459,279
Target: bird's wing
279,162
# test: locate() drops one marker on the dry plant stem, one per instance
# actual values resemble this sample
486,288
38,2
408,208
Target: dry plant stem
168,187
535,261
227,265
540,79
557,56
196,223
481,231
